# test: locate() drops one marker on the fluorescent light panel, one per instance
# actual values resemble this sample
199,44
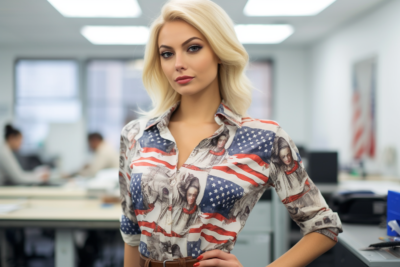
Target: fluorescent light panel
97,8
116,35
285,7
263,33
138,35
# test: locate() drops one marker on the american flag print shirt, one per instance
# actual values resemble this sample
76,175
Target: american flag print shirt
171,213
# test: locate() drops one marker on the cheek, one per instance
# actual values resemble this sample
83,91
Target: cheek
167,67
205,66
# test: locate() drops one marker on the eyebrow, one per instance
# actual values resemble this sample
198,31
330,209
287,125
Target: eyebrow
183,44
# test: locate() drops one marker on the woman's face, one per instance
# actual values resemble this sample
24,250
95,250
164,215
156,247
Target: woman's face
187,59
191,195
286,155
15,142
221,141
165,191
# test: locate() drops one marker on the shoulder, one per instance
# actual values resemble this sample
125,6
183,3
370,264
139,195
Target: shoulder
5,149
134,127
260,124
270,129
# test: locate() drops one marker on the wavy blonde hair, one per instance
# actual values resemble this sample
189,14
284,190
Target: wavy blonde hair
217,27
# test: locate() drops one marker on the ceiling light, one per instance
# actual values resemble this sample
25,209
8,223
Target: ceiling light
285,7
116,35
263,33
97,8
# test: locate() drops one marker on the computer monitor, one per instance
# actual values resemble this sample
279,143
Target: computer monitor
323,166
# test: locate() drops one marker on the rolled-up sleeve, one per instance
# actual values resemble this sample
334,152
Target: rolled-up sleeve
129,226
297,191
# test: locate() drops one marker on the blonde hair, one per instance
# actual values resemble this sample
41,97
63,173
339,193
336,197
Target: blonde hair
213,22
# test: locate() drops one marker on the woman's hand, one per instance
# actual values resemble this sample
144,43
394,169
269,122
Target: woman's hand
217,258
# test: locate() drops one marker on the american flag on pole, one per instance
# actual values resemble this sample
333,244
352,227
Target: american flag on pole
364,112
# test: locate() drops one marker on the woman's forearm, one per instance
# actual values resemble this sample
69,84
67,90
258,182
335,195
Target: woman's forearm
131,256
309,248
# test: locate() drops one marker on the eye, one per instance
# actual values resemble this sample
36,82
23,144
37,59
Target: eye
166,54
194,48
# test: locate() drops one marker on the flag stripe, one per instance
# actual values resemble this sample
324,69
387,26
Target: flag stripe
159,229
212,239
357,135
153,149
228,170
213,228
147,224
145,159
249,170
144,232
253,157
299,195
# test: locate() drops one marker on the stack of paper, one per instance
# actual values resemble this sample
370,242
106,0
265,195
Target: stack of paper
6,208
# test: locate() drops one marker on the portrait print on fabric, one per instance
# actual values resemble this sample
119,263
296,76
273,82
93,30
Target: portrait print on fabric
172,213
187,213
209,153
294,187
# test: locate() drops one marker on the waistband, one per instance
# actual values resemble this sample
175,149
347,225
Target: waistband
181,262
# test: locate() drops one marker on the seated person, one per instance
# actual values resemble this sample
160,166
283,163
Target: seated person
104,156
10,170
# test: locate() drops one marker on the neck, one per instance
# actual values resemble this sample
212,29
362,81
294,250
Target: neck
200,107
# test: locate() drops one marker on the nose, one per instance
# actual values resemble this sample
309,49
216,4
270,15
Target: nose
179,62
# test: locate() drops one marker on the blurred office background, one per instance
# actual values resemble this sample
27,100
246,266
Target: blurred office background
329,77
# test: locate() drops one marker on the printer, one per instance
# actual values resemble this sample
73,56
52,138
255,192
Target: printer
361,207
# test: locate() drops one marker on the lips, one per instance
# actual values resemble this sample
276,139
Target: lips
183,79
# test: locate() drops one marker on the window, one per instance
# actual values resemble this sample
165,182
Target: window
114,92
46,92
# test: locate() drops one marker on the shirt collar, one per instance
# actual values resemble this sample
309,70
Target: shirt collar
223,112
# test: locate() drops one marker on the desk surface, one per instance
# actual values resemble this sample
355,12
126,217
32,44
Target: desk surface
357,236
56,213
41,192
379,187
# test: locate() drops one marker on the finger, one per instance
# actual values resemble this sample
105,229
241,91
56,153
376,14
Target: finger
216,253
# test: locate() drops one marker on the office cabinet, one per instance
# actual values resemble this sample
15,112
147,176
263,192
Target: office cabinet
253,245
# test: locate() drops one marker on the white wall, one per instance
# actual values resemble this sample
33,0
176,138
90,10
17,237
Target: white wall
289,85
290,88
375,34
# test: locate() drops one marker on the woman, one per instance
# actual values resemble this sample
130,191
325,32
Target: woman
187,214
292,182
10,170
194,71
209,155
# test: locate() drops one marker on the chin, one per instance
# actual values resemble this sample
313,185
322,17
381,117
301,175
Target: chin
189,89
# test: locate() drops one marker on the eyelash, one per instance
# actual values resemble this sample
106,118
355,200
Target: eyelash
193,46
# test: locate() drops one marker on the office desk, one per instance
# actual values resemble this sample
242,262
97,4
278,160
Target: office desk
52,192
356,236
379,187
63,216
79,213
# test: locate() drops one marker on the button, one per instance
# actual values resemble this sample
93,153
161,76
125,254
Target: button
177,171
